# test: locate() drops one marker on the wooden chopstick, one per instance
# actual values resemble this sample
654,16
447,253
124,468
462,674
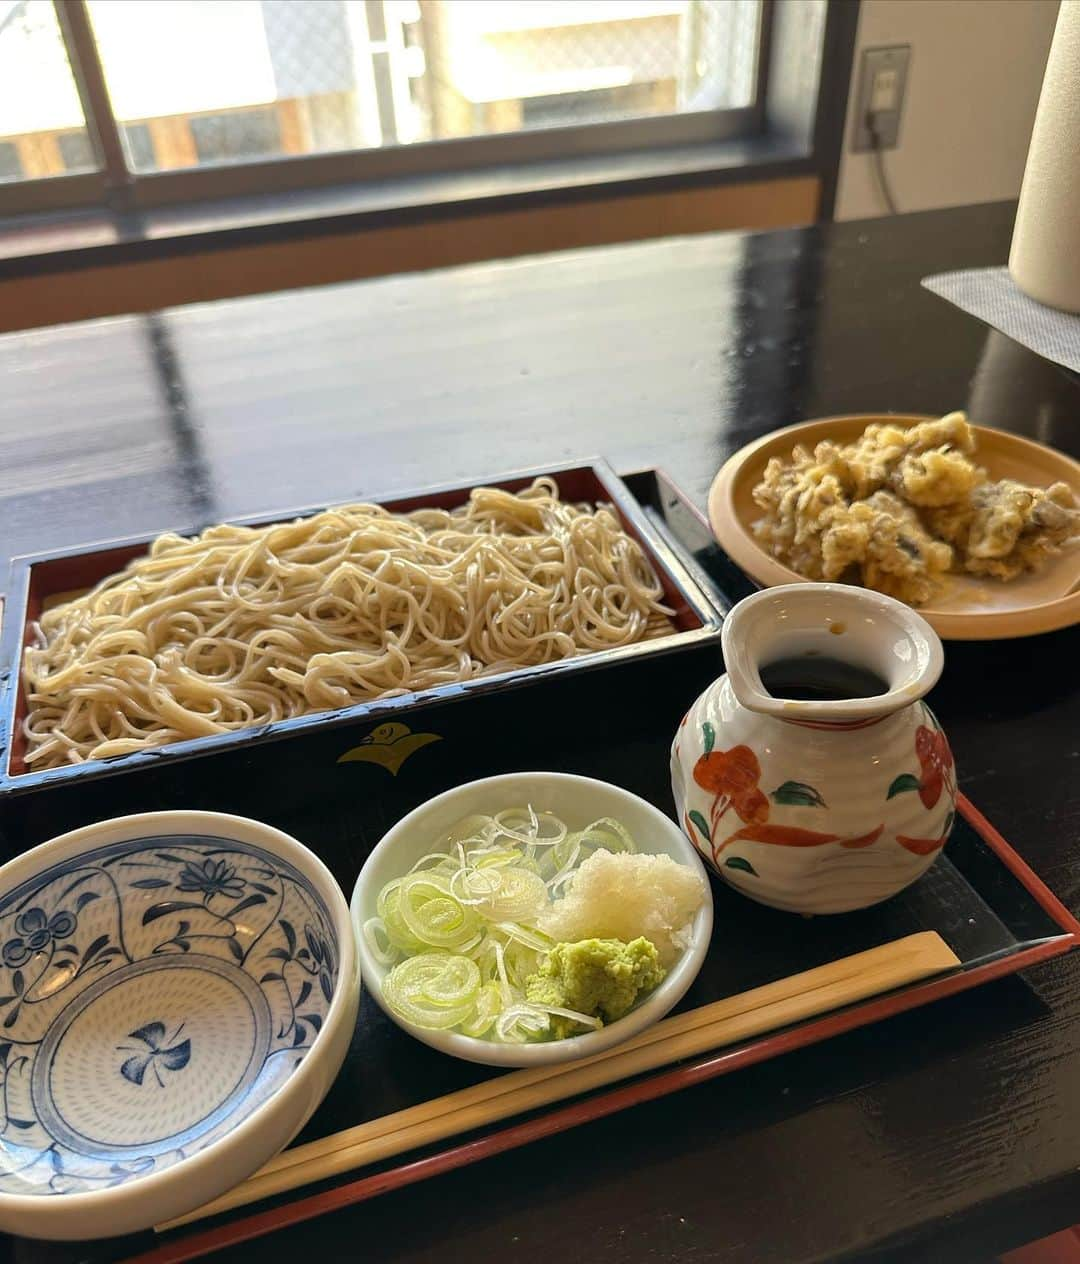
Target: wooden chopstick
748,1014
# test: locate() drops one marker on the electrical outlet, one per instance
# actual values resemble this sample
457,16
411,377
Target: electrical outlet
881,95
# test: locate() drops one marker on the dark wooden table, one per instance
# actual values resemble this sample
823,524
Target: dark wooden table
950,1133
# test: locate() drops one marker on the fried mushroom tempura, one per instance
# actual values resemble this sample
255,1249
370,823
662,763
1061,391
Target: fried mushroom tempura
1005,528
902,506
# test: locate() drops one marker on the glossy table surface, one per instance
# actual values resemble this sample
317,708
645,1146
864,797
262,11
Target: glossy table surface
948,1133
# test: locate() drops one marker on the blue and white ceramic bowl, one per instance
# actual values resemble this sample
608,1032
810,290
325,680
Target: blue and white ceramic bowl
177,992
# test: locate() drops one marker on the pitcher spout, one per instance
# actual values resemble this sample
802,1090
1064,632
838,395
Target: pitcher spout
876,638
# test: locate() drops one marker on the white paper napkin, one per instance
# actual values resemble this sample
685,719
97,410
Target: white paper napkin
992,296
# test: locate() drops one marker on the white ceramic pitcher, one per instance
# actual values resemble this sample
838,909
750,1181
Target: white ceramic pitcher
818,806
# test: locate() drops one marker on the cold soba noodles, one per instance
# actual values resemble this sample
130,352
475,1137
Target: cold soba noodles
243,626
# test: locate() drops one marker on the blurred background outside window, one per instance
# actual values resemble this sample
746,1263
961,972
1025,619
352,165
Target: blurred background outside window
195,83
42,129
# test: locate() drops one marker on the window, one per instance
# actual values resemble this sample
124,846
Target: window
11,167
75,151
593,105
42,129
240,134
139,146
187,89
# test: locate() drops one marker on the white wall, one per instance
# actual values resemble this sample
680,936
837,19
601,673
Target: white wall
973,85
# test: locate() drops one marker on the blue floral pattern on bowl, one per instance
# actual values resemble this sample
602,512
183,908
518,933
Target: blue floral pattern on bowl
152,994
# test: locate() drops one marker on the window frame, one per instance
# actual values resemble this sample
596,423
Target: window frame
115,186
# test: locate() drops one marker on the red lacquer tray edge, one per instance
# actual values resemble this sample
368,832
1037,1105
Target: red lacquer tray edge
201,1242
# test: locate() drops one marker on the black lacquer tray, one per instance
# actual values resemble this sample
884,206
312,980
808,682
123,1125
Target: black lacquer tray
615,724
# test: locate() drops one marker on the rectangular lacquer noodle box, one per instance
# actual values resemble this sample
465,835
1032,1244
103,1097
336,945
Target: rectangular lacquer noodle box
38,581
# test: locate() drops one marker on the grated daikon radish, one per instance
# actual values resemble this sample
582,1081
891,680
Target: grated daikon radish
622,895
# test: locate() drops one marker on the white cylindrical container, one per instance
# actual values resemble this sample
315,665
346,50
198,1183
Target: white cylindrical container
1045,256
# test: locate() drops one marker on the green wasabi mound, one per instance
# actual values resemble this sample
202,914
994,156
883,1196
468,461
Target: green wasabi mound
601,977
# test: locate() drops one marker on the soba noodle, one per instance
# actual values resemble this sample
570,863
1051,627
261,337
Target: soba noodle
243,626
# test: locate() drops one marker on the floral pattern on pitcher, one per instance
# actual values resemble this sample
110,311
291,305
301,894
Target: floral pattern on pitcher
936,774
732,777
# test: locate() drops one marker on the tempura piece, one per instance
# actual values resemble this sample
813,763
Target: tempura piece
797,499
936,477
1006,528
900,507
885,541
877,458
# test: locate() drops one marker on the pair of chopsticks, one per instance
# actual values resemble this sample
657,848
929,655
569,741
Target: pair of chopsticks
748,1014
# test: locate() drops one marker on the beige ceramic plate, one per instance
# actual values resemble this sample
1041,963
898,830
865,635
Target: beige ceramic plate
973,609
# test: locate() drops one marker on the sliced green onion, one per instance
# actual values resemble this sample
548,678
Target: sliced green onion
518,825
493,857
388,907
518,1023
475,886
379,942
472,827
447,980
609,834
487,1009
534,939
520,961
434,862
556,830
586,1020
531,829
568,866
500,970
433,916
433,990
520,894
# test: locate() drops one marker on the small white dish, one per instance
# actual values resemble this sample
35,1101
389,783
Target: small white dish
577,801
177,993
